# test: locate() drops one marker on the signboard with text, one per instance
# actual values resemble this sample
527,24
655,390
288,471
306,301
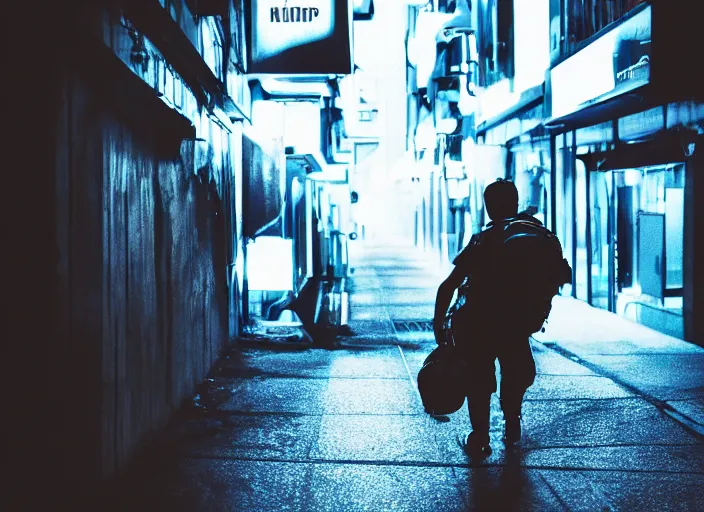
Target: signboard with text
616,63
299,37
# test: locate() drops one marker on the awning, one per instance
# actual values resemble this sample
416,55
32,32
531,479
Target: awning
334,173
529,99
608,110
662,149
273,88
318,169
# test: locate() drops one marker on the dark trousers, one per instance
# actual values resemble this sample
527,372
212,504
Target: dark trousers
517,373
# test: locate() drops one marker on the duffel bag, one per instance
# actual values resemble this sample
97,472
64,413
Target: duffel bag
441,381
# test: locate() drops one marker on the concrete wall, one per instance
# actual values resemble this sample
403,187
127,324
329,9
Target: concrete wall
141,277
115,292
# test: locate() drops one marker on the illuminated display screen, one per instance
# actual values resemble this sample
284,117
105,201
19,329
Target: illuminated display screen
616,63
299,37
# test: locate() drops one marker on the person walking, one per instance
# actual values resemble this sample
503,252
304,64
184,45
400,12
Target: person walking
506,278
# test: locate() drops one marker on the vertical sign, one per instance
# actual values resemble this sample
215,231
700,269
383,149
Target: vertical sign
299,37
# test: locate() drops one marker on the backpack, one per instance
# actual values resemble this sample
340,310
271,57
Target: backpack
523,267
531,271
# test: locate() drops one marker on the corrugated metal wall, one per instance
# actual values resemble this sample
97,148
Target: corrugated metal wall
143,288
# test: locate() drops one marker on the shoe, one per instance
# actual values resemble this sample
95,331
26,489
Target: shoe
512,432
477,446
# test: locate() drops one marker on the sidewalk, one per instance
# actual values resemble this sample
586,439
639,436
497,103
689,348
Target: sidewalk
666,371
344,429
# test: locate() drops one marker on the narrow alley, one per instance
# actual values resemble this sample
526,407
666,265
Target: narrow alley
287,426
229,222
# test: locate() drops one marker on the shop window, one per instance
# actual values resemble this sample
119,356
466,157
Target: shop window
563,200
653,293
601,249
581,263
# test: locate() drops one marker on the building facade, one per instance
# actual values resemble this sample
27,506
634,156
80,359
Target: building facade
138,110
593,109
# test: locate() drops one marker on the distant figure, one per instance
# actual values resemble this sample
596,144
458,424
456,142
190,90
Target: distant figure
506,278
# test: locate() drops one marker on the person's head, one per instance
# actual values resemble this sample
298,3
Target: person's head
501,200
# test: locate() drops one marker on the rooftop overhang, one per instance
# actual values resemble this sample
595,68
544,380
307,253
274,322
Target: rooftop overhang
282,90
661,149
318,169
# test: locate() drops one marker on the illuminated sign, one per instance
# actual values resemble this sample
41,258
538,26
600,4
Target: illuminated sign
616,63
299,37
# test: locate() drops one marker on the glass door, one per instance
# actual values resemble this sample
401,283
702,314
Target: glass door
563,186
581,260
602,233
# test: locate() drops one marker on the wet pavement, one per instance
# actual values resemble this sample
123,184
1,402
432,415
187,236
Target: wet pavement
611,422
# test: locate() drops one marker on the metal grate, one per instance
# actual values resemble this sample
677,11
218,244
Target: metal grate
413,325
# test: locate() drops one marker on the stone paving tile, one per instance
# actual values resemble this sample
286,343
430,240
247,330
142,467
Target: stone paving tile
408,265
549,362
312,362
646,373
381,363
404,312
693,409
611,490
614,346
377,438
508,488
686,458
401,282
196,485
561,387
369,284
359,313
353,488
431,279
394,300
303,396
370,396
365,298
378,339
599,422
245,437
418,338
369,329
354,362
650,492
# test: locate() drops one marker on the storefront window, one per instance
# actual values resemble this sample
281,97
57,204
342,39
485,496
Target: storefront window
601,247
581,262
622,232
650,210
563,200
